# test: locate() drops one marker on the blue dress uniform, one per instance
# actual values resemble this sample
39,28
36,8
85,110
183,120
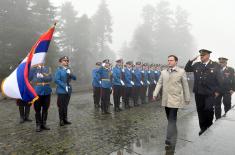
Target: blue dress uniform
228,84
207,80
152,85
63,77
157,74
41,78
145,85
128,85
137,81
117,86
106,87
96,84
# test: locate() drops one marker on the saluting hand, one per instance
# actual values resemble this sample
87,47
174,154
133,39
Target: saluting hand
195,58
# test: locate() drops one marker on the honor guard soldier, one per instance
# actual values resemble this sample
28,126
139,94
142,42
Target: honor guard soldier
137,81
144,83
157,73
41,77
207,79
63,77
152,81
96,84
227,87
128,83
117,82
106,86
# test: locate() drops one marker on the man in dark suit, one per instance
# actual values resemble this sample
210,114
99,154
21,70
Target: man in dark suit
227,87
207,80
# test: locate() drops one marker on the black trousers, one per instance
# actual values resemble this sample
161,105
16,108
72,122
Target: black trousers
24,109
105,99
63,102
150,91
123,93
143,94
41,107
226,101
136,94
171,135
205,109
96,95
128,91
117,93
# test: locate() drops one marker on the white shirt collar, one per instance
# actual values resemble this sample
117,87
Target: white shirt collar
205,63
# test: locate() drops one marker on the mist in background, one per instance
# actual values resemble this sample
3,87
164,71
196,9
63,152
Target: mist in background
93,30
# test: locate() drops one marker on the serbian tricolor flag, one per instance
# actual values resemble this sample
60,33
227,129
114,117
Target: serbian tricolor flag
17,84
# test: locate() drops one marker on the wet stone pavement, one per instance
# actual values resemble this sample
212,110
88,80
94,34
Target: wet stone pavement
136,131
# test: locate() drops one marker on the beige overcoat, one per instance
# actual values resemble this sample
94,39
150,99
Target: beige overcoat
175,89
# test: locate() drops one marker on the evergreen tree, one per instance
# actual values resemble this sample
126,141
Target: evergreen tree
184,41
102,30
42,18
15,34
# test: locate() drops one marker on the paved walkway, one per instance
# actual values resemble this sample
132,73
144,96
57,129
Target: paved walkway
140,130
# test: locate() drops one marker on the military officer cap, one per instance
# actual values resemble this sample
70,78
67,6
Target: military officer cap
98,64
204,52
145,64
119,60
106,61
129,62
223,59
138,63
152,65
64,58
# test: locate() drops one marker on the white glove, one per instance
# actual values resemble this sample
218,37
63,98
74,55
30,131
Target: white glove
123,70
103,64
148,82
156,72
67,89
142,71
149,72
123,84
132,83
133,71
39,75
68,71
100,82
155,82
141,82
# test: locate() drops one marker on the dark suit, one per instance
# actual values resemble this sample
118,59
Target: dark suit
207,80
228,83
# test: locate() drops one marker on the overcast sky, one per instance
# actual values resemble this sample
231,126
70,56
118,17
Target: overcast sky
213,21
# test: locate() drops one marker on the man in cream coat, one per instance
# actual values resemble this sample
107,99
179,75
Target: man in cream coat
175,95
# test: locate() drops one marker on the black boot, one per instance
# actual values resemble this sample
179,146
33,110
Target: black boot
44,120
38,128
61,117
66,122
61,122
21,110
38,121
27,111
